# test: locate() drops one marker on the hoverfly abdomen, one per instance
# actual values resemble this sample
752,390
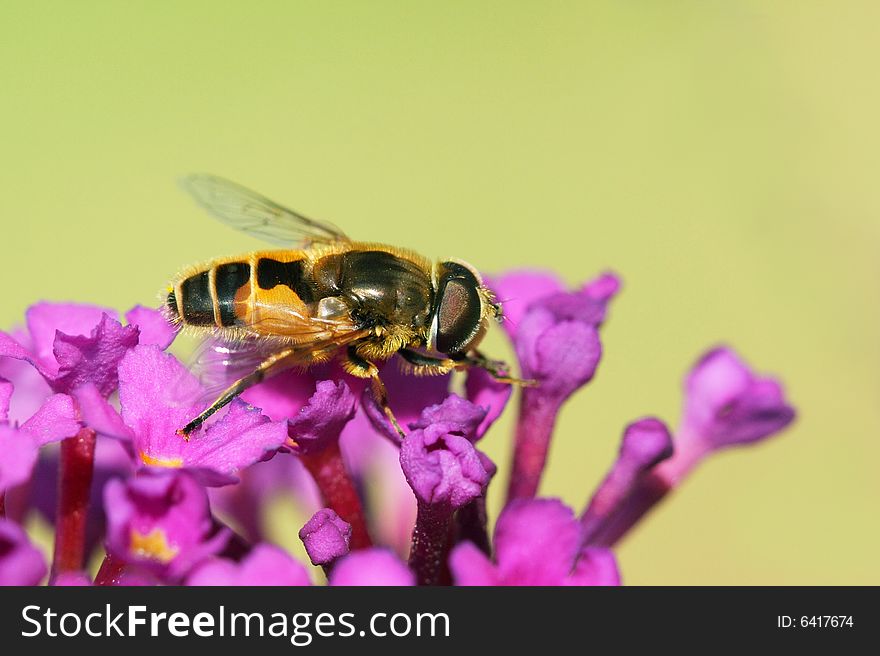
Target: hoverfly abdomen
214,297
232,289
293,275
196,301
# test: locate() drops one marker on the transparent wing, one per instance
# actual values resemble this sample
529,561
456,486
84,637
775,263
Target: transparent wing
218,363
256,215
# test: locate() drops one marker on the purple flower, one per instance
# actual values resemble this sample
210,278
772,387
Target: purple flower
411,396
261,484
462,416
264,565
314,428
320,422
326,537
19,457
152,327
161,522
725,405
111,461
72,580
645,443
424,494
556,337
442,466
71,345
376,567
6,389
20,562
56,419
445,472
158,396
537,542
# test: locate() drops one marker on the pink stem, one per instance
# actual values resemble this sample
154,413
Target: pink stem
537,416
431,541
338,491
74,482
110,572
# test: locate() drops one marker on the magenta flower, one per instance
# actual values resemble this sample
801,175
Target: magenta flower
71,345
6,389
320,422
446,473
326,537
56,419
72,580
20,562
556,337
19,457
161,522
412,395
537,542
384,510
645,443
264,565
158,396
259,484
373,567
442,466
725,405
315,421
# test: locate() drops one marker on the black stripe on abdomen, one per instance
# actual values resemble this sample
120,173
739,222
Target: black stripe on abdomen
271,273
229,279
196,301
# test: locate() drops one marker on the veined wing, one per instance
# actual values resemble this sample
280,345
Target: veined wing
258,216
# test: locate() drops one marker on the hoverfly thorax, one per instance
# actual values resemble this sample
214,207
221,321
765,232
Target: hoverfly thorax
463,308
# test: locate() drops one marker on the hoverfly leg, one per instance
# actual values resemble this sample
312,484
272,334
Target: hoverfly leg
426,364
359,366
239,386
381,396
495,368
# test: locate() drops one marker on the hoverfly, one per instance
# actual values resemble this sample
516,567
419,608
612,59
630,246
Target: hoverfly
325,296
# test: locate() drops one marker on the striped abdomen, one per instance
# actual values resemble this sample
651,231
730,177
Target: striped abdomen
247,292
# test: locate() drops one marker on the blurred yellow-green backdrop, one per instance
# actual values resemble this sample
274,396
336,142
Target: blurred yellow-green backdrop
722,156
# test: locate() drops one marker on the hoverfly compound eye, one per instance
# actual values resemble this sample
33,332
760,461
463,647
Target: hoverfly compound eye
460,309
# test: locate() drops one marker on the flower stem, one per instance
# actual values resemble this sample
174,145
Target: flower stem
338,491
537,416
431,540
650,491
471,520
110,572
74,481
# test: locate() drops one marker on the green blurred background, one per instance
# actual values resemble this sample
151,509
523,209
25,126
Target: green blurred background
722,156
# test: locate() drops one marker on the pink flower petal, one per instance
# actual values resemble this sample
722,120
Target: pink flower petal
153,327
371,567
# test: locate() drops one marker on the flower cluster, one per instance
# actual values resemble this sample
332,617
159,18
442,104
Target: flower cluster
90,405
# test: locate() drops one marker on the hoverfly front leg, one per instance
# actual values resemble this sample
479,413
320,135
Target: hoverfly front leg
239,386
495,368
427,364
363,368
